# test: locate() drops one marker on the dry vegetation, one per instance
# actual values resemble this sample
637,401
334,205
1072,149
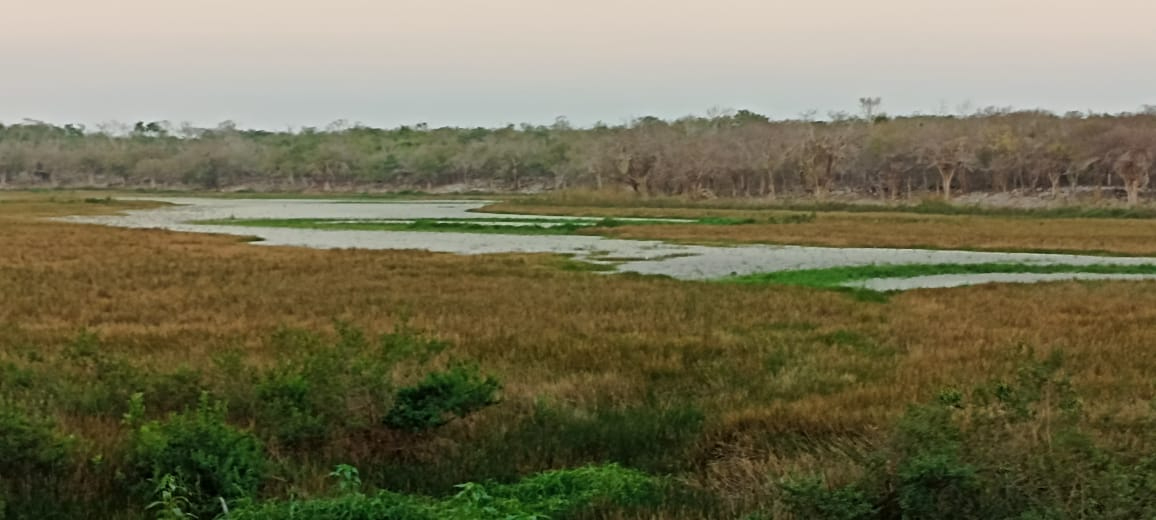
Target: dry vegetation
788,379
876,229
740,155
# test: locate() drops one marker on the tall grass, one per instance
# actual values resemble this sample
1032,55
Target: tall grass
979,231
728,388
929,206
838,276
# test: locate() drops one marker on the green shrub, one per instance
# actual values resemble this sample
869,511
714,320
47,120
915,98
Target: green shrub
321,386
650,437
555,491
29,446
811,497
555,494
33,459
1013,449
174,391
938,486
439,397
203,453
100,382
287,409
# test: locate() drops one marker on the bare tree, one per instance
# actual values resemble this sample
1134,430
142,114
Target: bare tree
869,106
1133,168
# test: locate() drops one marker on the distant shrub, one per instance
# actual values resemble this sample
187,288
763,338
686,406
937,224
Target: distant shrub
203,453
441,396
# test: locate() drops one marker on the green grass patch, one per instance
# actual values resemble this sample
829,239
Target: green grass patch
504,226
836,277
553,494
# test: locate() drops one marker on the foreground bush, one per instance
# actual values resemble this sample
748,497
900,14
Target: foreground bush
554,494
199,450
1015,449
33,458
441,396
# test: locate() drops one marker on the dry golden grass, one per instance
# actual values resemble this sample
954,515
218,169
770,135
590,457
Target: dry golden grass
906,230
772,367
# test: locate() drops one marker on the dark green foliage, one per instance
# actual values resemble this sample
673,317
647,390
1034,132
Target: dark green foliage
287,409
203,452
321,386
810,497
456,392
938,485
554,494
655,438
101,383
652,438
959,458
29,446
34,460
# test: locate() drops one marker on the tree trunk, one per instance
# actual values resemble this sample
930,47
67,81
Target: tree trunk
1073,184
894,182
1133,187
946,174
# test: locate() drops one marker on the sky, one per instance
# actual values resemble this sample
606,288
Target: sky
279,64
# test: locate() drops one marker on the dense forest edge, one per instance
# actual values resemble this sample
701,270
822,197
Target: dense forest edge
991,153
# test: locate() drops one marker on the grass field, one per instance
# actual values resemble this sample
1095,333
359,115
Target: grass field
523,226
1018,233
721,390
837,276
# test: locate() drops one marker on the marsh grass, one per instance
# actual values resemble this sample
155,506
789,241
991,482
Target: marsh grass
743,385
923,206
509,226
837,277
1058,232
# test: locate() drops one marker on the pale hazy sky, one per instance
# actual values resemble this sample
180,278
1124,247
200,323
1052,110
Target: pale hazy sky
278,63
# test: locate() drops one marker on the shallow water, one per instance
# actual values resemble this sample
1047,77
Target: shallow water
956,280
646,257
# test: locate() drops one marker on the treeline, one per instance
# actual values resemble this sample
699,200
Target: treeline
733,154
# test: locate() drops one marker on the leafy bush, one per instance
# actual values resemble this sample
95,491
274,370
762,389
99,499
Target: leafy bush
1014,449
286,407
649,437
459,391
32,458
202,452
320,386
810,497
554,494
29,446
